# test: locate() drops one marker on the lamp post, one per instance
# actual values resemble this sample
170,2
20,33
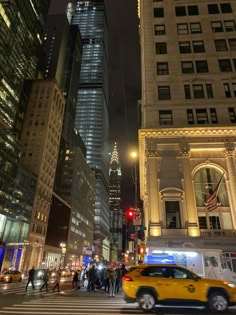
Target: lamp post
134,156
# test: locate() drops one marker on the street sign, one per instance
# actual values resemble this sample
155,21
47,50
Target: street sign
137,218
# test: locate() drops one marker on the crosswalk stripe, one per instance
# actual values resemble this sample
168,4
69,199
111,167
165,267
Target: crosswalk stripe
63,305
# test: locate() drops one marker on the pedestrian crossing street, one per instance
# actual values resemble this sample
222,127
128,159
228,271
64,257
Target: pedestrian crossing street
67,305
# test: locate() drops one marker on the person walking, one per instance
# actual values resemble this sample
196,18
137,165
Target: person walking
45,279
30,278
57,281
75,280
92,278
118,279
112,281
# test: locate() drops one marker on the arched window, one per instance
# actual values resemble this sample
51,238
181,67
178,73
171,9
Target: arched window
205,181
210,222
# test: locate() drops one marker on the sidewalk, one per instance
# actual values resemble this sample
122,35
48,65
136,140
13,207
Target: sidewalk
84,293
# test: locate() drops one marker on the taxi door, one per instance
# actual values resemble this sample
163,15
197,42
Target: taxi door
187,286
158,277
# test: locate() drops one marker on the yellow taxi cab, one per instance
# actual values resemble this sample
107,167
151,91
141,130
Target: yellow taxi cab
172,285
12,276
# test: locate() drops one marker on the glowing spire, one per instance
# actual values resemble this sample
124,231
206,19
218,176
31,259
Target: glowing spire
115,163
114,156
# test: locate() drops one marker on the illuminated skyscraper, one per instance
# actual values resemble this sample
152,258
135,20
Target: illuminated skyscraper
115,209
21,37
91,111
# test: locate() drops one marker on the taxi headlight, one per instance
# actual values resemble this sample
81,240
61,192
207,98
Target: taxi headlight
231,285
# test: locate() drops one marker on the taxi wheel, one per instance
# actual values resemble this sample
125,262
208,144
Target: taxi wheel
146,301
218,302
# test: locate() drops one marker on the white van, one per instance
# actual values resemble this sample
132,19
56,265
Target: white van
207,263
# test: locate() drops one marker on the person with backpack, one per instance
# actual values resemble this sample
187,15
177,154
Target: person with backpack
45,279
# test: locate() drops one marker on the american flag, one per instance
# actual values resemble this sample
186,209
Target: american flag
211,202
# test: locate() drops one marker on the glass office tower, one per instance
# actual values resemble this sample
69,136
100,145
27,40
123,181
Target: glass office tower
21,25
91,112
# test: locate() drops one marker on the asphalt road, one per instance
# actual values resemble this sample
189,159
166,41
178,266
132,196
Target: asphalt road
14,300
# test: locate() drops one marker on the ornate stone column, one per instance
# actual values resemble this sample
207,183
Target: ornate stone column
153,193
190,202
229,154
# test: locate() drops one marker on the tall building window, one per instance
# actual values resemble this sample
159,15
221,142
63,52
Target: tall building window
220,45
227,90
230,26
158,12
198,91
213,9
201,115
213,115
217,27
232,115
232,44
165,117
205,181
234,89
201,66
164,93
202,221
161,48
187,67
225,65
214,222
184,47
180,11
209,91
226,8
193,10
190,116
198,46
187,91
159,29
162,68
182,29
173,220
195,28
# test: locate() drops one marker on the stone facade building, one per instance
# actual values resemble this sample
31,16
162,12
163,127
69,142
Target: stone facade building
188,133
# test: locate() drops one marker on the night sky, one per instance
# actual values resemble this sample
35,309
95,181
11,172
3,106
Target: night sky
124,85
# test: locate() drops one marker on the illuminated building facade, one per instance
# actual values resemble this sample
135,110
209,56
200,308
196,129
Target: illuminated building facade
187,139
40,139
91,111
21,36
115,209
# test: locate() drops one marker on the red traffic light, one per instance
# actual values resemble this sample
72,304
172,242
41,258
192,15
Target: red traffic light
130,213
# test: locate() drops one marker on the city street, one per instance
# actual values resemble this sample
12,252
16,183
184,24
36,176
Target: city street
14,300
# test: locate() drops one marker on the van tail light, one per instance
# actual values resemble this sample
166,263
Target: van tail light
127,278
